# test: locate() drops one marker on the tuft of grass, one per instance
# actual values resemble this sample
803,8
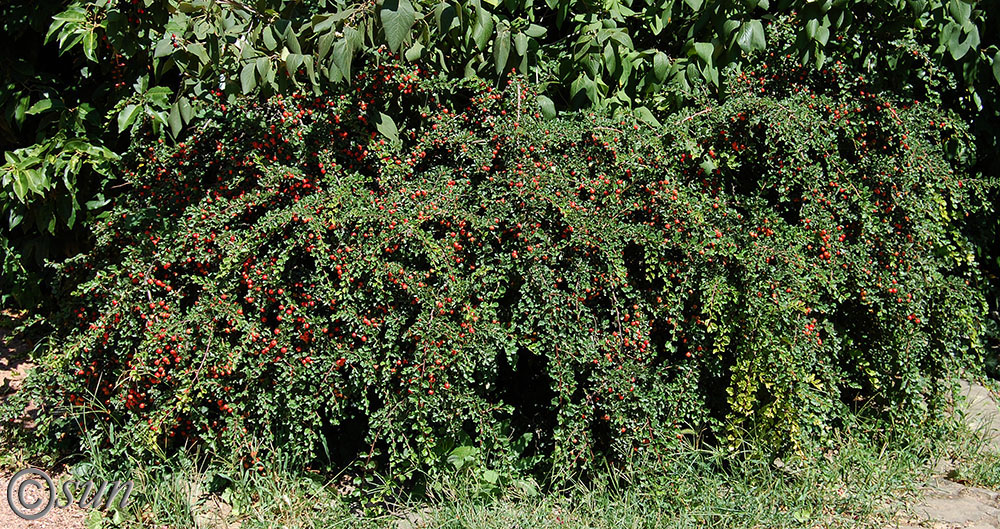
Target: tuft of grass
862,483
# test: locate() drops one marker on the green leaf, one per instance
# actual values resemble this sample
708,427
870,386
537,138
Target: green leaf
960,11
73,14
21,109
198,50
695,5
534,31
163,48
704,50
647,116
397,17
445,17
610,58
127,116
751,36
187,112
414,52
159,96
483,29
501,49
387,127
547,106
660,65
40,107
292,42
270,42
822,35
292,63
521,44
174,120
264,67
342,56
98,202
996,66
248,78
321,23
325,43
811,27
90,46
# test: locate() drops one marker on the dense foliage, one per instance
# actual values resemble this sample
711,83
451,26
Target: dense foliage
79,76
421,268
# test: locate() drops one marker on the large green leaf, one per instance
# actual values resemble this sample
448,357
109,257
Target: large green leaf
127,116
483,29
248,78
660,65
501,49
387,127
751,36
397,17
704,50
174,120
548,108
996,66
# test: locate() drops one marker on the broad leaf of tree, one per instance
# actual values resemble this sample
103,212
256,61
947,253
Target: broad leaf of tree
751,36
547,106
483,29
387,127
127,116
660,65
248,78
397,17
501,49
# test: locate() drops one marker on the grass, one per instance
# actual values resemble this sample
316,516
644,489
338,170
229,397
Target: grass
861,484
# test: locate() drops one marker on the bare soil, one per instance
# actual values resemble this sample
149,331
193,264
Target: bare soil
946,504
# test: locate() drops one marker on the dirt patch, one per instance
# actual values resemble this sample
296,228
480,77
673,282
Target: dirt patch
946,504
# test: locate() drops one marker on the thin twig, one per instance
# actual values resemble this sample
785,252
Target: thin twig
696,114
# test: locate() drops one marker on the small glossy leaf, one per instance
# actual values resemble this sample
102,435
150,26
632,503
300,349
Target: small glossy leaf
40,107
90,46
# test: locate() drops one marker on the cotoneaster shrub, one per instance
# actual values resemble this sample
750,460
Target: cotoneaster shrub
418,264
